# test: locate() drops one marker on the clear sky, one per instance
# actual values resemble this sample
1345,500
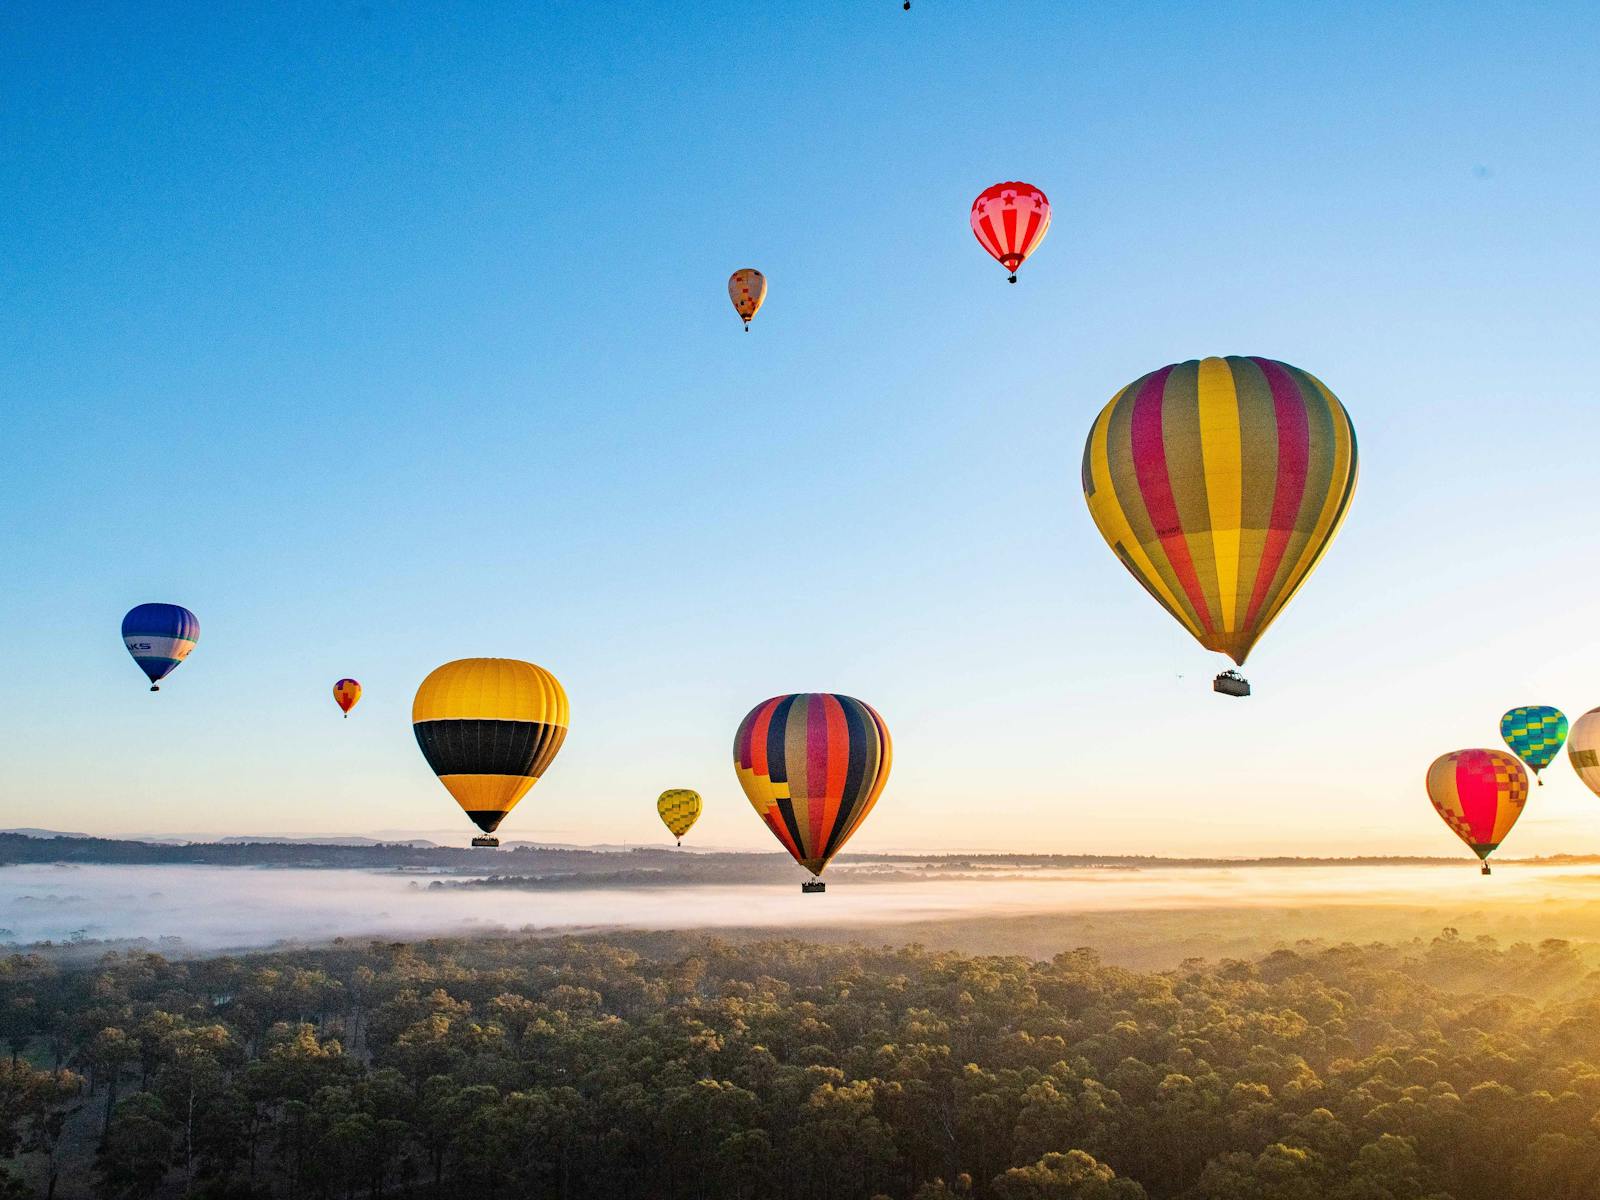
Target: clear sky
381,335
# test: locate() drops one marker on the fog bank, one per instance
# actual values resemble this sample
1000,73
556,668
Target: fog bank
219,908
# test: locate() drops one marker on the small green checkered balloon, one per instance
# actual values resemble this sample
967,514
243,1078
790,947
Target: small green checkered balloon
1535,734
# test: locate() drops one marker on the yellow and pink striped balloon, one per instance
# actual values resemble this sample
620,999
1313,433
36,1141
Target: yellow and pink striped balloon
1219,484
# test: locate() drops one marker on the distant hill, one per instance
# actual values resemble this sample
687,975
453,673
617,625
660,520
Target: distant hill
309,839
158,839
534,865
350,853
330,840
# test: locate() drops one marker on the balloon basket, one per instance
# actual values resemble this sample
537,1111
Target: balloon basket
1231,683
492,843
1486,870
813,885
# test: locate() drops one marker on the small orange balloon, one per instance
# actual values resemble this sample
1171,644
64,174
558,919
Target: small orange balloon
747,288
345,694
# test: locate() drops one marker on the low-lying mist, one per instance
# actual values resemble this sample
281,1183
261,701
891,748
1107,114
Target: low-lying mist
208,909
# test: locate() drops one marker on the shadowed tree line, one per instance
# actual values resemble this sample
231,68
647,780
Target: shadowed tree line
677,1067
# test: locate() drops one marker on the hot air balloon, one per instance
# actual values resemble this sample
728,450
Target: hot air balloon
489,727
345,694
1583,749
679,809
1009,221
1480,794
813,765
1535,734
747,288
159,636
1219,484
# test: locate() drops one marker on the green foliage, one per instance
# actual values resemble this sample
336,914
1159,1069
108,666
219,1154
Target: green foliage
34,1108
1070,1176
680,1068
136,1152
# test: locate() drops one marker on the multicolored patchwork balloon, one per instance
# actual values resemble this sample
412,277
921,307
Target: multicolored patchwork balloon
1535,734
1479,794
813,765
489,727
159,636
679,809
1583,749
1010,220
1219,484
345,694
747,288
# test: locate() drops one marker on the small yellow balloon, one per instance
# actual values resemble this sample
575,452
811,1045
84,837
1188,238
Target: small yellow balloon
679,809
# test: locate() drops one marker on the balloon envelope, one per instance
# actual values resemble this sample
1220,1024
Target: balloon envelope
1479,794
159,636
1583,749
345,694
747,288
489,728
1010,220
679,809
1219,484
813,765
1534,734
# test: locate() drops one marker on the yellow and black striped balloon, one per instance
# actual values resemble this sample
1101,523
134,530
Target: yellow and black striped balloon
489,727
679,809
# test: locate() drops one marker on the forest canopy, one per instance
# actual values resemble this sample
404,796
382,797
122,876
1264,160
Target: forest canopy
675,1067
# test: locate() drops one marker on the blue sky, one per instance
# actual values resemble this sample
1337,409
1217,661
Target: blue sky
382,335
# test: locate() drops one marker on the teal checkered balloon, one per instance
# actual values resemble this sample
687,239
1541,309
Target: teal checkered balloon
1535,734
